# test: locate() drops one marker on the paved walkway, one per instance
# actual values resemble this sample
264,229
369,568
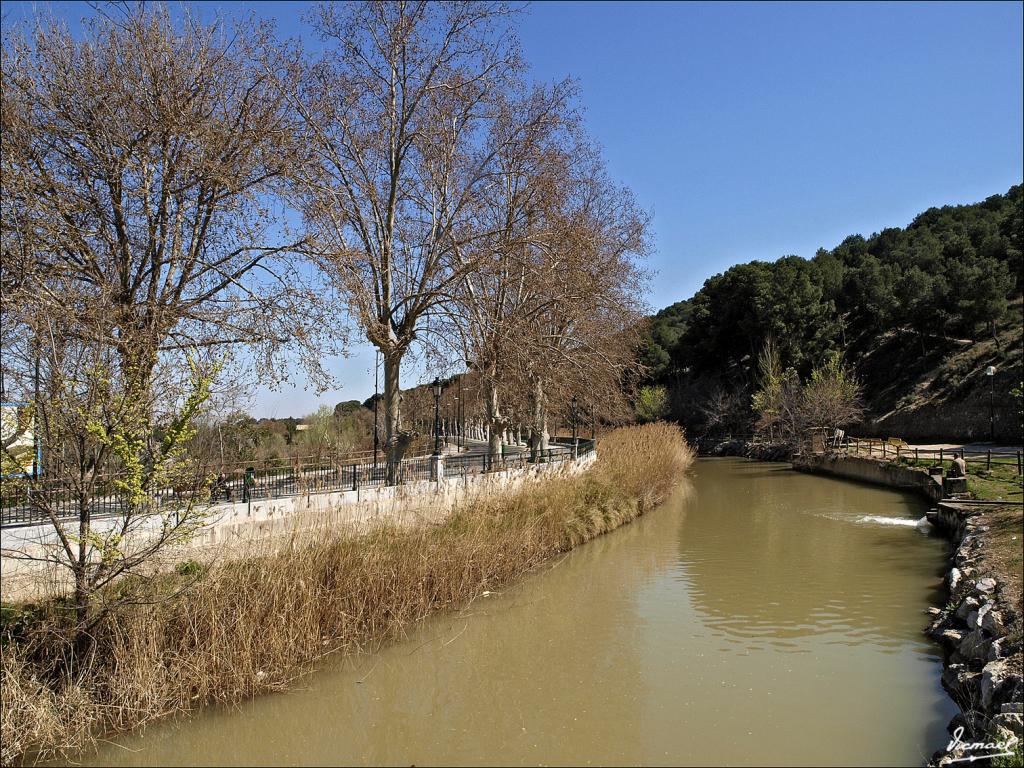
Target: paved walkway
18,538
234,524
968,447
971,449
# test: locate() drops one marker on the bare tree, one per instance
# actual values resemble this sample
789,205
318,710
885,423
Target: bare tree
831,398
139,169
140,239
395,116
767,400
112,451
587,337
552,309
491,309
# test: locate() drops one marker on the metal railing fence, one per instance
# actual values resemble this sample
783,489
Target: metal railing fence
23,504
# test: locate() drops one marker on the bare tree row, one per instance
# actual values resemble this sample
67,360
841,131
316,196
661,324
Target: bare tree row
183,201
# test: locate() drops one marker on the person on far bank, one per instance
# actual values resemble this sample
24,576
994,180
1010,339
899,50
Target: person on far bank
222,486
248,483
958,468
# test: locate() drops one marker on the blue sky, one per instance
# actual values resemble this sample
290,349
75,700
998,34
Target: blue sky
752,131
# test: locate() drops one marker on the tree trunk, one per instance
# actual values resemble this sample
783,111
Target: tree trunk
538,422
496,428
83,595
137,361
392,417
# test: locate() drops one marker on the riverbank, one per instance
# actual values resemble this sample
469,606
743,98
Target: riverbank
241,628
31,564
871,470
980,628
745,449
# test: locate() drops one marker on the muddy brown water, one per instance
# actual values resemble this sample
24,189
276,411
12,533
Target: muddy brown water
760,617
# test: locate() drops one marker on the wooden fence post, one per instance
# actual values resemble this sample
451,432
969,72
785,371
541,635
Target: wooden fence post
988,460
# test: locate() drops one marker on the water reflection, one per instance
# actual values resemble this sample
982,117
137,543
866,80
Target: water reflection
751,620
786,556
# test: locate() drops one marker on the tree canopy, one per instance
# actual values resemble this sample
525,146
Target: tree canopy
949,274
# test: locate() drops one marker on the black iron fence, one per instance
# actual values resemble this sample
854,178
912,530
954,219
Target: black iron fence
459,465
23,503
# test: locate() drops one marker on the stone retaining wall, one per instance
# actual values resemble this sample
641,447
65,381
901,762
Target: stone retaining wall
981,633
235,527
959,418
418,501
876,471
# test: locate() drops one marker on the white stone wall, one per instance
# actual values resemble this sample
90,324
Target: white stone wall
419,501
237,527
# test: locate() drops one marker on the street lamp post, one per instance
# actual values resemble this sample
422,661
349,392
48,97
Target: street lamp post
455,421
35,423
437,417
376,429
991,373
575,437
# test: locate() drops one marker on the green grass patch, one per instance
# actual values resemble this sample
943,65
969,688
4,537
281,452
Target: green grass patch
995,481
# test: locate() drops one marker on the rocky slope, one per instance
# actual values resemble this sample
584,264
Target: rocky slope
939,391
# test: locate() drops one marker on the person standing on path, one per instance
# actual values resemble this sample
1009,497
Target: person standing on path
248,483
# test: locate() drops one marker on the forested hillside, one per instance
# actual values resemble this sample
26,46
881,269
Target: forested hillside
918,313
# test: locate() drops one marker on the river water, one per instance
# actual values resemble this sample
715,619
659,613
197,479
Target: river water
760,617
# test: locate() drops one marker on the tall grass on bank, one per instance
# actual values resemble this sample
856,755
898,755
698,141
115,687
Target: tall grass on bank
253,624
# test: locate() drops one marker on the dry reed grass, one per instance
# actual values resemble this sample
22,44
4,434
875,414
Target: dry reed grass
254,624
